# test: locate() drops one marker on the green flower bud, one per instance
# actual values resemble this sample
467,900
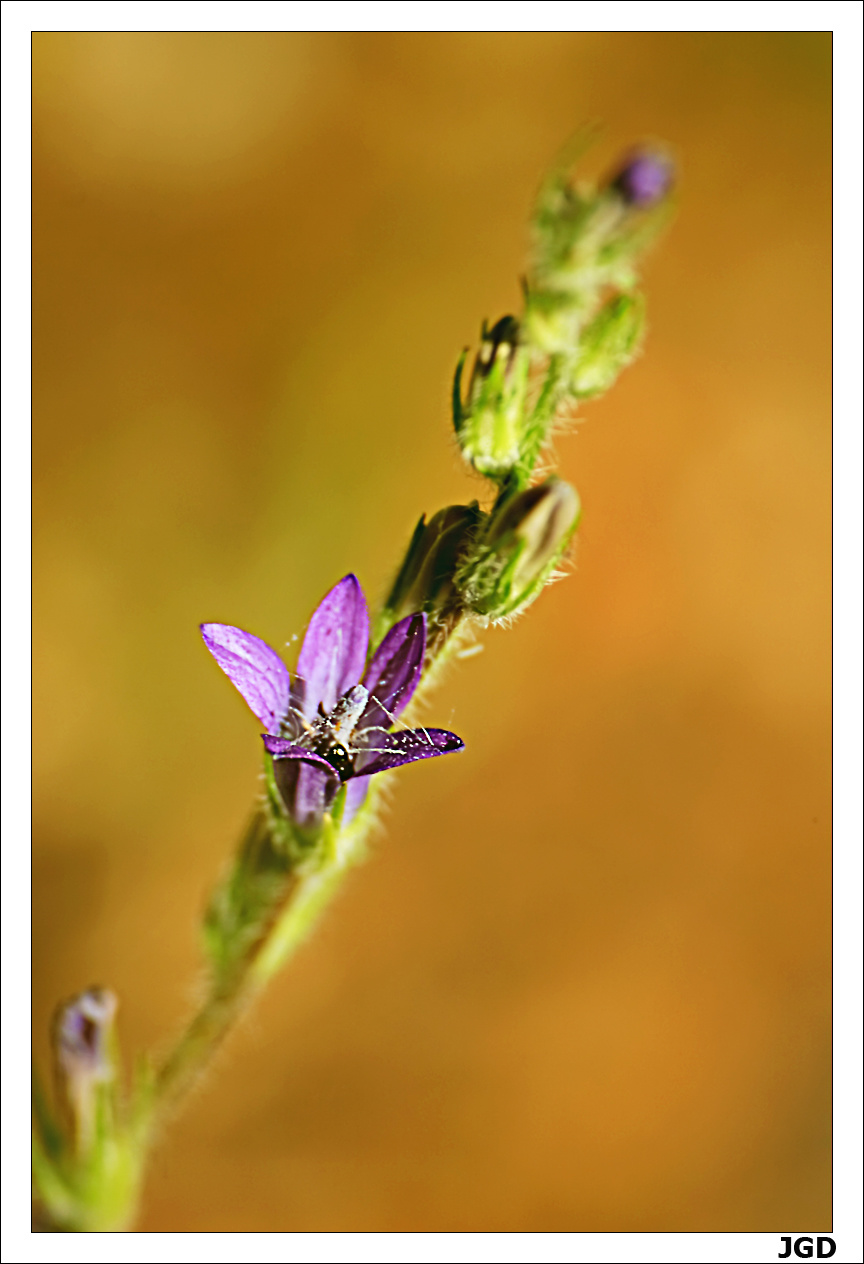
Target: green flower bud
523,544
607,345
588,240
425,580
575,231
551,322
490,422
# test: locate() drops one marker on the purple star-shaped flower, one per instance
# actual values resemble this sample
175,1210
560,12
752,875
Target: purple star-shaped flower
333,724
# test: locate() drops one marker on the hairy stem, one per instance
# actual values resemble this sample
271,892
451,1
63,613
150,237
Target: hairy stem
305,897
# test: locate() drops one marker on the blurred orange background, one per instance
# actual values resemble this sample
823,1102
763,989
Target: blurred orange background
583,984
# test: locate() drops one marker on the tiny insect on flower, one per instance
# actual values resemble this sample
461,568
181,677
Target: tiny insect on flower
332,724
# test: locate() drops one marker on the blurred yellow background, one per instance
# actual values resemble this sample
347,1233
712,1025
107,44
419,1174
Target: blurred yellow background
584,982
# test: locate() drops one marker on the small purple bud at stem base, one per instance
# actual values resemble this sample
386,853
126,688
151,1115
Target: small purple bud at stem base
83,1040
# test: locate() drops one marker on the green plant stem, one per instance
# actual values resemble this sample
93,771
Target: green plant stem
307,895
204,1034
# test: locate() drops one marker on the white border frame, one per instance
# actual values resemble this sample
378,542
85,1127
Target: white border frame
844,18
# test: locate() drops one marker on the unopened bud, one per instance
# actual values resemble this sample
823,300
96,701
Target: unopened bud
87,1164
587,242
524,543
86,1059
644,179
552,321
425,580
607,345
83,1033
490,422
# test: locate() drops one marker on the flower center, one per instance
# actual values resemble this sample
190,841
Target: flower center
331,733
336,755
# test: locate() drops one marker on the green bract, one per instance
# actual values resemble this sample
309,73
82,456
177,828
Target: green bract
524,542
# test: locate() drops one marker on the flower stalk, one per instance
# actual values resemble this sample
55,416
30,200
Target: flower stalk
337,726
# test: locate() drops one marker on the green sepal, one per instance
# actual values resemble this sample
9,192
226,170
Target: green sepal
540,421
46,1126
280,824
458,411
607,345
527,535
404,578
492,422
56,1204
337,809
425,578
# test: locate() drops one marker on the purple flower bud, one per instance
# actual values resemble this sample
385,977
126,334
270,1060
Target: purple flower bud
82,1035
644,179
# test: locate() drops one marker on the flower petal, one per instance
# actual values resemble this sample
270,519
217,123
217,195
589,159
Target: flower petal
307,790
355,792
284,748
334,648
253,668
394,672
392,749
